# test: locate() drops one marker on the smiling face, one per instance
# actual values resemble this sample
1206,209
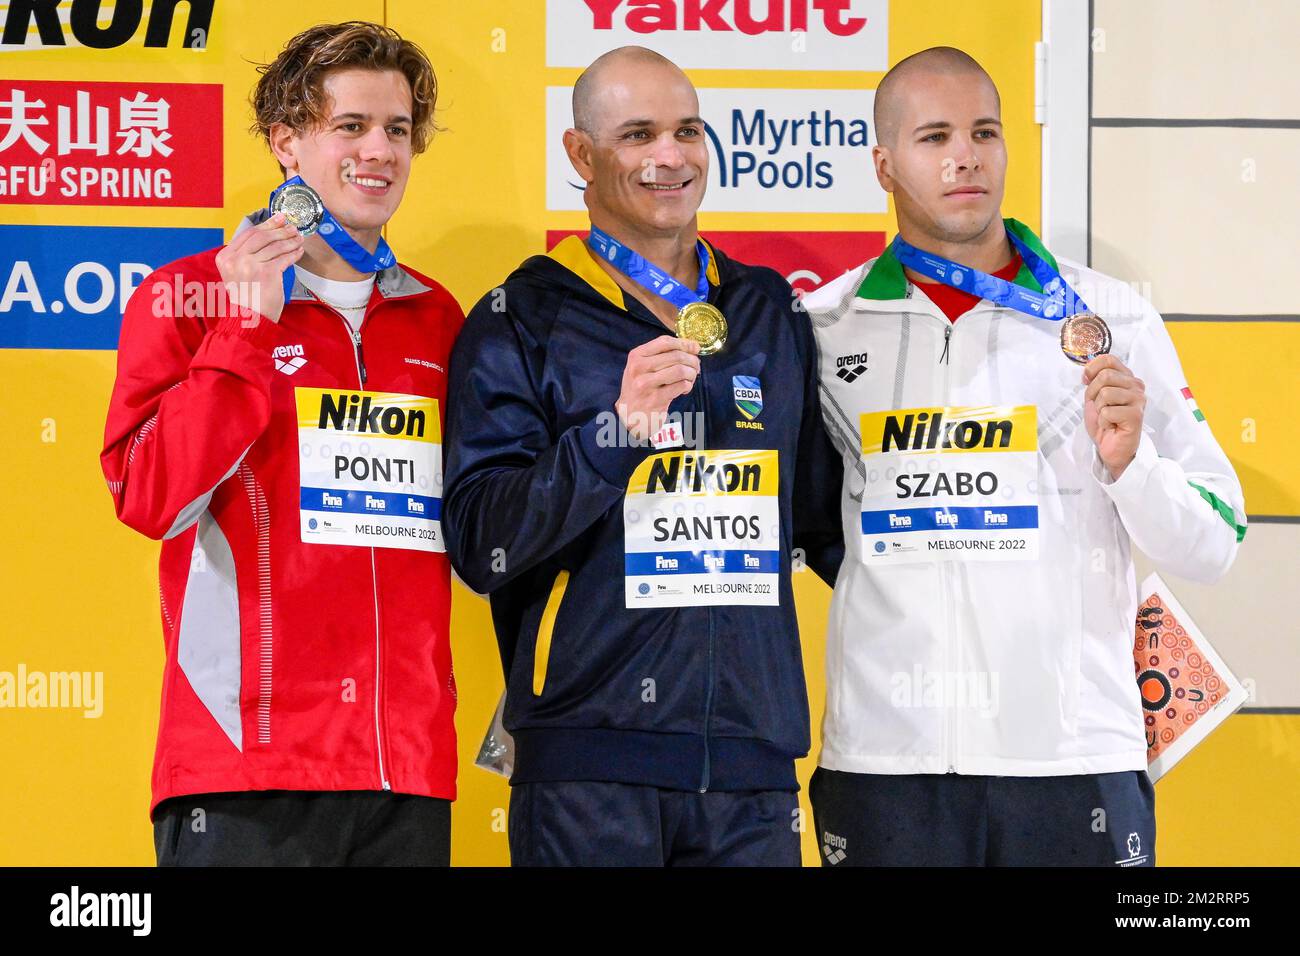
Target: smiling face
643,154
360,159
946,164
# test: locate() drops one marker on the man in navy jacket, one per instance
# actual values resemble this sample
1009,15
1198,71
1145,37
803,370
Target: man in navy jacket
635,509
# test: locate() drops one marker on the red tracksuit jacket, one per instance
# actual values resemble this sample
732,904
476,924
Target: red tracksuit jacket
290,665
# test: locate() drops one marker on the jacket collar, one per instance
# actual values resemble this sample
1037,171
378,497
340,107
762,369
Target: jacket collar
886,282
391,283
571,252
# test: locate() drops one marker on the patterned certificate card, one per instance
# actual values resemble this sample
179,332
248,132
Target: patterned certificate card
1186,688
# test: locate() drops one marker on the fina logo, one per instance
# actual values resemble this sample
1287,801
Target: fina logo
643,588
748,393
880,547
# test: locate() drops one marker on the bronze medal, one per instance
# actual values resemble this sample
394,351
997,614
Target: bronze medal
705,324
1084,336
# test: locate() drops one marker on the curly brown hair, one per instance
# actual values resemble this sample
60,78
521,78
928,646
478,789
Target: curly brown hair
291,89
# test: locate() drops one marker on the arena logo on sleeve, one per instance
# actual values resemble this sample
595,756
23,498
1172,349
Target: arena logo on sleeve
733,34
66,287
769,151
110,144
806,259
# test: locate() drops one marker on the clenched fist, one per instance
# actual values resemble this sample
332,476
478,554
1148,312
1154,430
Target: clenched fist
255,261
655,374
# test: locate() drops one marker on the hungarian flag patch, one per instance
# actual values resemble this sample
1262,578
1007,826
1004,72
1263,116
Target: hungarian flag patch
1191,403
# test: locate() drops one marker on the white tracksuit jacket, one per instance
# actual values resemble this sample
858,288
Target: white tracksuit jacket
989,652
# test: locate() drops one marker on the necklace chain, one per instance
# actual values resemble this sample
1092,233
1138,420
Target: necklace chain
337,305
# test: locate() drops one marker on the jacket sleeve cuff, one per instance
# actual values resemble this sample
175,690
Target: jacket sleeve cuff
610,450
253,327
1129,486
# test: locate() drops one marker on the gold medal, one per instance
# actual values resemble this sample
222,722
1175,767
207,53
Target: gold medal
705,324
302,207
1084,336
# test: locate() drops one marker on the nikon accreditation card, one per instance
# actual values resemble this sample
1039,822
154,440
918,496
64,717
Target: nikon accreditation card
703,527
370,466
950,483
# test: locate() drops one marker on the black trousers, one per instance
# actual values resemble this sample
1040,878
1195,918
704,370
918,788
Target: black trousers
1104,819
303,828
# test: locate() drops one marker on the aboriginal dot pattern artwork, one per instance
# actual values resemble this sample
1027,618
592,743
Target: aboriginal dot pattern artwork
1177,682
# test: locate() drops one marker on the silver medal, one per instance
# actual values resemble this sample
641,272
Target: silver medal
302,207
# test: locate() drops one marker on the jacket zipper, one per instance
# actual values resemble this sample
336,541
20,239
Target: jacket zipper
708,685
708,710
361,358
950,714
706,771
355,336
951,648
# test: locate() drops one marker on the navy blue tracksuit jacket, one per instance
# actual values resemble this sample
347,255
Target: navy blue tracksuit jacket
703,697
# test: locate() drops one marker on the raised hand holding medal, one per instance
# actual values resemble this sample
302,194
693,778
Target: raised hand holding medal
666,367
252,266
1114,398
1114,402
656,373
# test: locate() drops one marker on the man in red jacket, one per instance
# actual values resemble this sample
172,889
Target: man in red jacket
288,455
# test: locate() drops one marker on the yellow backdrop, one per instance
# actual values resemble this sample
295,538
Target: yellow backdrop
80,590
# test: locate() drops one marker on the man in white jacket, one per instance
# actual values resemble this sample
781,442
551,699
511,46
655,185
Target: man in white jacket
981,703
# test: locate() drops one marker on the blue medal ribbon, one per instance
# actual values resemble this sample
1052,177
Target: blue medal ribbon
338,239
1057,300
637,268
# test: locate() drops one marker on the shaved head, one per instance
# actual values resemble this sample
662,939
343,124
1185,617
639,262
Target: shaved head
587,91
940,152
640,145
891,94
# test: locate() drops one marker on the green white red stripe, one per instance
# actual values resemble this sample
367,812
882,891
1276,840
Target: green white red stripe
1191,403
